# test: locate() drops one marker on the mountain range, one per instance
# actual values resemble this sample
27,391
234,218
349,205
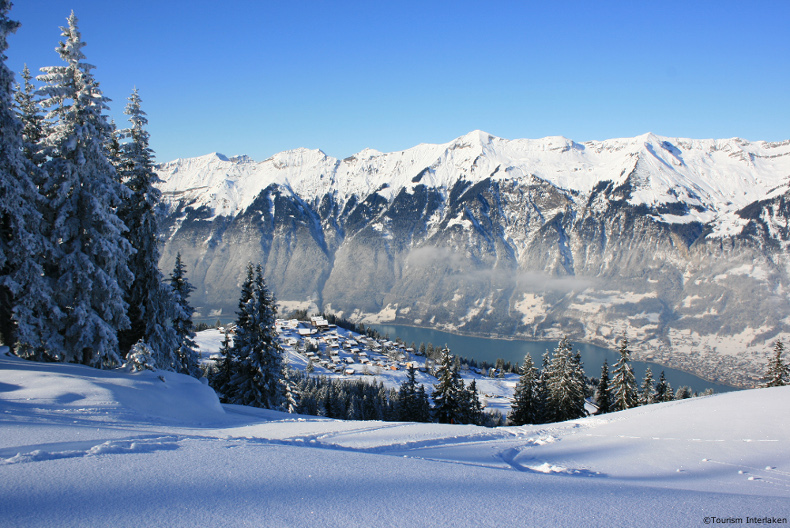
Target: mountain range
680,244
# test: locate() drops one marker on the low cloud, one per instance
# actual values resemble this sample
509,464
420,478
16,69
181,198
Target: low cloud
469,271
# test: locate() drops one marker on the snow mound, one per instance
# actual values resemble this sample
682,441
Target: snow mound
58,389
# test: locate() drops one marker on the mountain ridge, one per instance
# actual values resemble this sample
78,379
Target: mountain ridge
681,243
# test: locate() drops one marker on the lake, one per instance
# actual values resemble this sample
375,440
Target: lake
486,349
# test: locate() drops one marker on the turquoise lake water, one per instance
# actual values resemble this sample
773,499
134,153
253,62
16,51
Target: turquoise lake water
486,349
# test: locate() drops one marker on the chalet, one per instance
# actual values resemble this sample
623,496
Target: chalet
319,322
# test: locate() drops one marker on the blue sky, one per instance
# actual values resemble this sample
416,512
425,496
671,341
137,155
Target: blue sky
259,77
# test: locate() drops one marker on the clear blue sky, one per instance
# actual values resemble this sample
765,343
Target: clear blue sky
258,77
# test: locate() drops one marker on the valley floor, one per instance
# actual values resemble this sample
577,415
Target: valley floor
83,447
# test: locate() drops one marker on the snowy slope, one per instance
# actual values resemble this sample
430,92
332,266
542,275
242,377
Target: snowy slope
718,176
79,447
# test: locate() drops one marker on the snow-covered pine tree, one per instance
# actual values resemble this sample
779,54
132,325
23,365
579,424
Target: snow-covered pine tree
220,379
113,147
474,408
525,406
185,355
407,397
624,392
30,115
544,411
663,390
256,351
446,399
140,357
151,302
88,268
566,383
27,317
423,405
602,397
778,373
648,393
290,391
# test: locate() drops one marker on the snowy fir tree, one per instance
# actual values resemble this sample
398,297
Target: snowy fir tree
566,383
778,373
140,357
221,375
408,402
446,397
647,394
473,407
29,113
543,413
525,408
27,318
602,397
290,392
663,390
423,405
150,300
683,393
624,392
88,268
186,356
256,352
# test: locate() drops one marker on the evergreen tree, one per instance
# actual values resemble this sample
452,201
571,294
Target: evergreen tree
256,351
186,355
423,413
407,397
140,357
778,373
29,113
290,392
648,393
446,399
220,380
28,321
602,397
663,390
544,412
150,301
474,407
624,392
89,267
246,295
114,150
525,406
566,383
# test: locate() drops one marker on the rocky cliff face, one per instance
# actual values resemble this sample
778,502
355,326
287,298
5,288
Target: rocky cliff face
682,244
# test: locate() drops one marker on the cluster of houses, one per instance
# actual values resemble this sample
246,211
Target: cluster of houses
326,346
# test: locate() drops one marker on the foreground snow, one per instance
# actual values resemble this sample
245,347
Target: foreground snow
83,447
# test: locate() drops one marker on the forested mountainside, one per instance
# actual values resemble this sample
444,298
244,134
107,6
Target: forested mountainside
680,243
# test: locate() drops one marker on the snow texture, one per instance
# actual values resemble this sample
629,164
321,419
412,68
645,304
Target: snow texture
86,447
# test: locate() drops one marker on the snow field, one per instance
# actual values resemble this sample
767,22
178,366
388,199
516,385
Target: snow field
81,447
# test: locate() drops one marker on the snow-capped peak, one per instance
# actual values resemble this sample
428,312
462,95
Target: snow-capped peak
716,176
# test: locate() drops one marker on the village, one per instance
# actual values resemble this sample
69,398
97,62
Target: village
320,348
